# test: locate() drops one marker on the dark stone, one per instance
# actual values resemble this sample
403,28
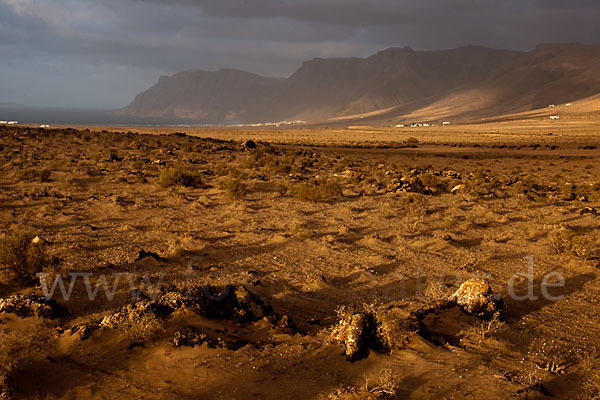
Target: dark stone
143,254
249,144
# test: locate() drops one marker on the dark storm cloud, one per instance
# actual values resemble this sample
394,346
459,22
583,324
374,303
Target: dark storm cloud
102,52
339,11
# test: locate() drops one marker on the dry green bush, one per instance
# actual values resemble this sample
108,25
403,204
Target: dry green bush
137,165
235,173
88,168
280,165
565,240
393,335
15,349
302,231
59,164
414,203
481,185
272,164
140,328
10,348
412,224
250,161
35,174
435,290
21,259
590,369
282,189
486,329
235,188
179,176
430,181
317,191
387,386
589,192
450,222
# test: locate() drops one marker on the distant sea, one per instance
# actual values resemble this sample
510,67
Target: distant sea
65,116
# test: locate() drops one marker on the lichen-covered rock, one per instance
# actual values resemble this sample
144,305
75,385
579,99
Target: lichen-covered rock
589,210
172,300
351,330
285,322
83,330
352,174
378,328
249,307
131,312
476,297
30,305
412,182
231,302
189,336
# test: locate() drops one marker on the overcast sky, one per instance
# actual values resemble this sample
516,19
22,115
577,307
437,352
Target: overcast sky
101,53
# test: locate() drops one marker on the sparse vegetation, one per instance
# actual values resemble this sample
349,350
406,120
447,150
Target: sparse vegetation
404,215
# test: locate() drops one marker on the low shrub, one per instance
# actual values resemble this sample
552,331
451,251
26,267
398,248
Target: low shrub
35,174
414,203
565,240
590,369
170,177
235,188
140,328
21,259
317,191
16,349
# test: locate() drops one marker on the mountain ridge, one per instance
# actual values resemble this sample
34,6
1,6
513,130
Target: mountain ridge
465,82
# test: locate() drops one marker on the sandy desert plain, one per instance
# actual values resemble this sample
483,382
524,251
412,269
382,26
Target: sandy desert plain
250,244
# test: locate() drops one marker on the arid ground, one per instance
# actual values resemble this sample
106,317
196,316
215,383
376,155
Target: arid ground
308,220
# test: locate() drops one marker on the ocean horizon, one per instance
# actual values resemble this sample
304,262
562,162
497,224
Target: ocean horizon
65,116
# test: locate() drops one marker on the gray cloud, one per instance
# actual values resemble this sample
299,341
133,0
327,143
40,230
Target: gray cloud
100,53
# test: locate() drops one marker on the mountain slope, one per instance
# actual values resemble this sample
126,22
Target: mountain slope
323,88
394,84
551,74
223,95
